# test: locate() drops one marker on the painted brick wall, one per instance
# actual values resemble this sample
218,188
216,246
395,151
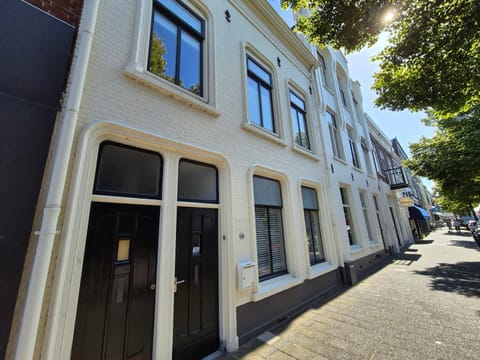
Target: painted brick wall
66,10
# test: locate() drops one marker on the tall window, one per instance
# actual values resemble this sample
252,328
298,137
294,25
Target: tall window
347,212
176,45
323,68
377,212
299,121
269,228
363,201
312,225
366,156
334,135
342,92
353,148
260,89
376,159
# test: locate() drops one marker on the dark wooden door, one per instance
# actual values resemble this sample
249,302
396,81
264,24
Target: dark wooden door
196,270
115,313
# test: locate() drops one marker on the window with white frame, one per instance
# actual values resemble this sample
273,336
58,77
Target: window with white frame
377,212
363,202
260,95
299,120
353,147
312,225
347,212
334,135
271,256
176,45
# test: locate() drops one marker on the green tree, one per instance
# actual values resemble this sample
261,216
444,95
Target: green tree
451,158
432,60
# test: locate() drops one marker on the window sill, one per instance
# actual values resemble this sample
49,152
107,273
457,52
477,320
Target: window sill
328,89
320,269
274,286
355,249
357,169
341,161
259,131
374,244
305,152
167,88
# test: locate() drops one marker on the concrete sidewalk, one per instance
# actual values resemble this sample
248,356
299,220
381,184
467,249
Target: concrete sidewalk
424,304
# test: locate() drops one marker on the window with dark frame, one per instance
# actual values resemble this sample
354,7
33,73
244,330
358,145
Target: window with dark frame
377,212
353,148
176,45
342,93
323,68
312,225
260,95
347,212
299,121
363,202
197,182
128,171
269,228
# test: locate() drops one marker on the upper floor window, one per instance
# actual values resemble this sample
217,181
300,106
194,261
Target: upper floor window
269,228
323,69
299,120
334,135
353,148
366,155
342,92
312,225
176,45
260,95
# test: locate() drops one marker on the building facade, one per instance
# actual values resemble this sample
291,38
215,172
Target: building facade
211,174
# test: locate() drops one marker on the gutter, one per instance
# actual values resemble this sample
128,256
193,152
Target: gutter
30,323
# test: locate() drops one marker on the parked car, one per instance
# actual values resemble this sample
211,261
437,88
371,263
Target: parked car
471,225
476,233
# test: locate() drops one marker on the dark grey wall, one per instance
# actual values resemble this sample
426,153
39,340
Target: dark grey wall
34,56
254,317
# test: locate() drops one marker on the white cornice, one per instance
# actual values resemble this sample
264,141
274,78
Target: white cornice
277,25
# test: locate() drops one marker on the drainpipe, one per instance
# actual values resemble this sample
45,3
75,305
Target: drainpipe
68,121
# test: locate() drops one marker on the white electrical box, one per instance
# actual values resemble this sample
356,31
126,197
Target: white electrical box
246,275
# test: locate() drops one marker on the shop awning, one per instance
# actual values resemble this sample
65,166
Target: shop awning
418,213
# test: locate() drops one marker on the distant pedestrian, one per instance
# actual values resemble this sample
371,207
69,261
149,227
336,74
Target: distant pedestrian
449,224
456,224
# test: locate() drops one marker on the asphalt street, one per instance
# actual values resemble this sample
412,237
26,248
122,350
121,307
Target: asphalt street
423,304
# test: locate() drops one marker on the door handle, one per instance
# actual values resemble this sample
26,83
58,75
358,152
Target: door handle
175,283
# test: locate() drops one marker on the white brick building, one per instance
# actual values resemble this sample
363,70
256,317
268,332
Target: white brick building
198,204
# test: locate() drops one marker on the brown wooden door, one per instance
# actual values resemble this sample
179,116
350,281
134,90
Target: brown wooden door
196,299
115,314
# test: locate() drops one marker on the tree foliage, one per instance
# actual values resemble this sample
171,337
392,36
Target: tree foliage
451,158
432,60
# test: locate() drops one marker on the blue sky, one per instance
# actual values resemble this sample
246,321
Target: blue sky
406,126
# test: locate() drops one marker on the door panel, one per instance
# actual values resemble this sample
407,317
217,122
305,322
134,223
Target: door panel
117,294
196,298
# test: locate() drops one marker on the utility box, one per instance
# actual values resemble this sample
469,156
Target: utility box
351,272
246,275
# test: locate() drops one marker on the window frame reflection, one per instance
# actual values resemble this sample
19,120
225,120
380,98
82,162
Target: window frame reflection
187,70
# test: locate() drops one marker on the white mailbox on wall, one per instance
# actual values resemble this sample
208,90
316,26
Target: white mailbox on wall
246,275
